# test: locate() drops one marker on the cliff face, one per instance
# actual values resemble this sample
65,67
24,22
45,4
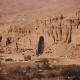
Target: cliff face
55,30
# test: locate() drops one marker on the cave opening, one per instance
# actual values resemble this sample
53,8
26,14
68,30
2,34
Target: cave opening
40,48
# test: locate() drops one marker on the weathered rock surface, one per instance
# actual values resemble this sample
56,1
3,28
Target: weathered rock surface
56,31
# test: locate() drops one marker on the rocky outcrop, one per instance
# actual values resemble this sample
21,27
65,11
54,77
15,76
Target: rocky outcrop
55,30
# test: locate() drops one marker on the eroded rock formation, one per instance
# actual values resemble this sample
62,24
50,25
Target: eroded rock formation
57,29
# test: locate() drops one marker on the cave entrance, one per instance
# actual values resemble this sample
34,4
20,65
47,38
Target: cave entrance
40,48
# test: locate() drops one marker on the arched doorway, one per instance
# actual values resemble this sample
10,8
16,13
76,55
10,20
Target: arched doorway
40,48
